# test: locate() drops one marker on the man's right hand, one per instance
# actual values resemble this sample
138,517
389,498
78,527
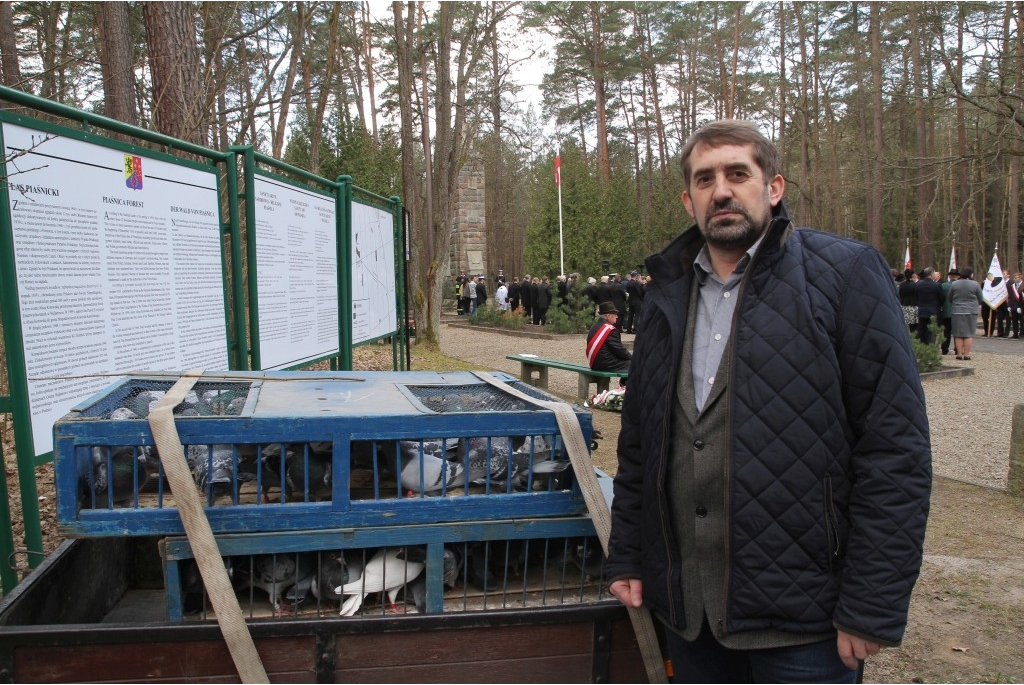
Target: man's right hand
629,591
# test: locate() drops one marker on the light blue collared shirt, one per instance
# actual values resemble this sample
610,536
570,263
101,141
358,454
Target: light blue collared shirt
716,304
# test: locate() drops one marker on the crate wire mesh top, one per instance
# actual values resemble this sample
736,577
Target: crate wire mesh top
303,450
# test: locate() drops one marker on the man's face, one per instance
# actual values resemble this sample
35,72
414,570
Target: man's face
729,196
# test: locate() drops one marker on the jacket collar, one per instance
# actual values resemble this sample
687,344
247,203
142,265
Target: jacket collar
676,260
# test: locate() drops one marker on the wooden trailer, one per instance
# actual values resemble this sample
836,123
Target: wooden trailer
92,612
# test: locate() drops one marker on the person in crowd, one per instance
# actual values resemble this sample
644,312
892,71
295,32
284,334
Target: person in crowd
908,298
604,289
1003,318
562,284
605,351
541,300
513,294
929,303
617,296
461,293
634,301
471,294
774,462
1015,299
501,297
965,298
988,322
500,278
527,295
481,291
947,310
591,290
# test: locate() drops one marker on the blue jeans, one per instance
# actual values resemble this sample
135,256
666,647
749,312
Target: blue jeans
706,661
472,305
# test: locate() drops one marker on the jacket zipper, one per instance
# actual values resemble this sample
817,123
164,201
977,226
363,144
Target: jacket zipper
730,392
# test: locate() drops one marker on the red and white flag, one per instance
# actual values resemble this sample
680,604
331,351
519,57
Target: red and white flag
952,259
558,169
906,257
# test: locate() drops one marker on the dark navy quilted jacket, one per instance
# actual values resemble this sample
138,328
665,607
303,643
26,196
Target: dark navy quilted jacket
831,462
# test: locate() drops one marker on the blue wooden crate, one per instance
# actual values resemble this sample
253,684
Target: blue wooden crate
275,451
471,566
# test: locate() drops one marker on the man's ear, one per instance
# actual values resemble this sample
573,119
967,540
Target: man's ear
688,203
776,189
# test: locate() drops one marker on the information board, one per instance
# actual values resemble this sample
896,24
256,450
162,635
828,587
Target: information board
118,260
297,274
374,301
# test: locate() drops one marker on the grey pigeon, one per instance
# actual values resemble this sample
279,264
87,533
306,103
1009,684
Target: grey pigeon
216,468
274,574
491,455
386,572
114,474
424,473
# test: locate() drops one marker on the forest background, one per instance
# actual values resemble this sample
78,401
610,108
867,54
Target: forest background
899,123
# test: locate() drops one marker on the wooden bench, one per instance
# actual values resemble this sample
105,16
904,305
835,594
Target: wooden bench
531,364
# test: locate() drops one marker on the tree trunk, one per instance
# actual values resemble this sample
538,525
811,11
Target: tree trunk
876,190
9,47
783,84
368,58
597,36
289,83
116,62
925,187
176,70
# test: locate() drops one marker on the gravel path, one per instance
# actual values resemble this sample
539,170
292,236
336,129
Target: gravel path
970,416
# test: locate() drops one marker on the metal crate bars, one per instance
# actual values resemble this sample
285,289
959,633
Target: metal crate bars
407,569
291,451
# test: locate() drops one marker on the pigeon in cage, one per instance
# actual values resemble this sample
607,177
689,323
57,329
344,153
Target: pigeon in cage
297,593
216,466
429,474
336,569
588,556
144,401
386,572
317,468
417,591
116,473
478,562
451,562
274,574
491,455
193,593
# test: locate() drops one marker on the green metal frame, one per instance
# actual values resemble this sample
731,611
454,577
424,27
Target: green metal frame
241,313
344,193
16,403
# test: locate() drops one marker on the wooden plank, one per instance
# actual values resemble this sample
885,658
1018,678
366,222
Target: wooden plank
451,667
155,661
482,647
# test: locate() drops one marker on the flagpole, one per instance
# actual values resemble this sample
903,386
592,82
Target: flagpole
561,244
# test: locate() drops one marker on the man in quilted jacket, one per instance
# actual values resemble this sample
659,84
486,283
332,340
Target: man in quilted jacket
774,461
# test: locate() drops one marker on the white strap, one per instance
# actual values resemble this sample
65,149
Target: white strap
200,535
597,505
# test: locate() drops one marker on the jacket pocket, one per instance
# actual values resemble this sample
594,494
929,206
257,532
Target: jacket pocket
833,551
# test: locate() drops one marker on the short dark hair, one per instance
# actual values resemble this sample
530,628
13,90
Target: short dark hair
966,272
733,132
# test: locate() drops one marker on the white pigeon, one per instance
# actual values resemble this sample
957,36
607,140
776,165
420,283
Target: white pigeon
384,572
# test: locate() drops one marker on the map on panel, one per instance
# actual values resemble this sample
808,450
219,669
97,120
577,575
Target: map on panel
374,304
